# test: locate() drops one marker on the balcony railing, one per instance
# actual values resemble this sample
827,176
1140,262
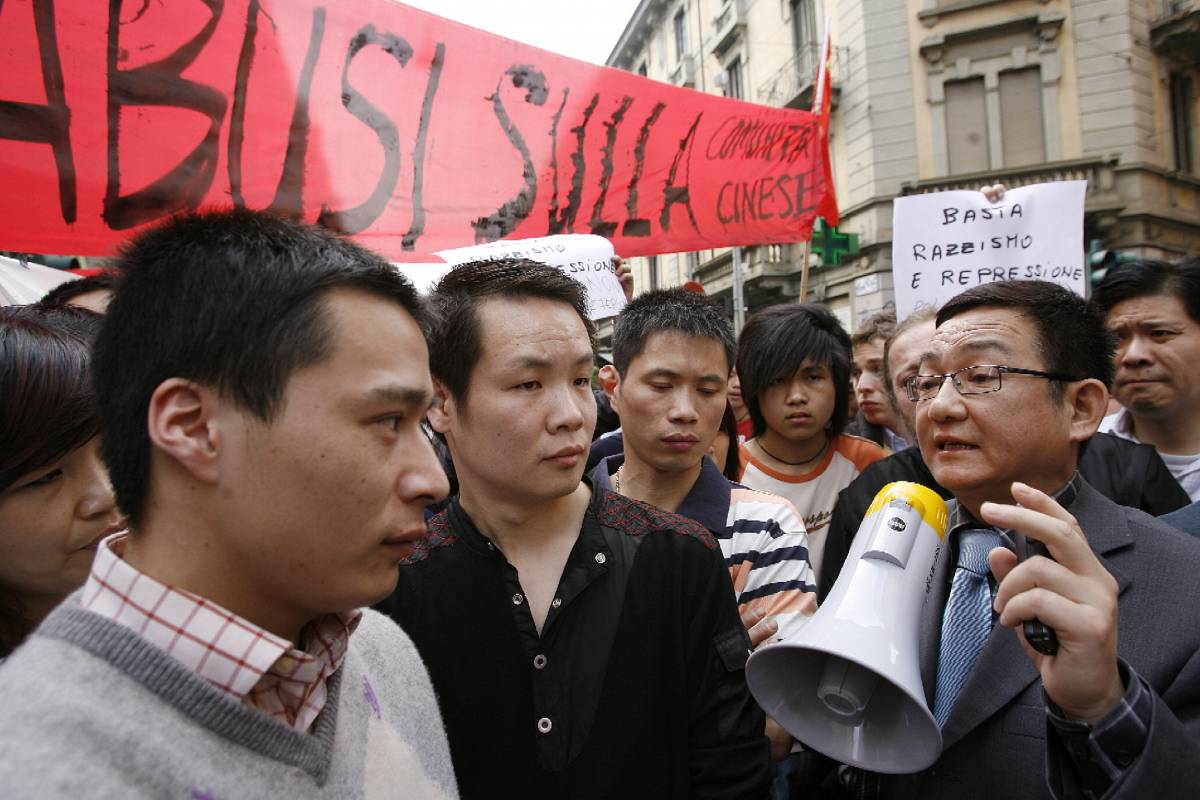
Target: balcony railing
684,73
1169,8
728,24
1175,32
1100,173
794,80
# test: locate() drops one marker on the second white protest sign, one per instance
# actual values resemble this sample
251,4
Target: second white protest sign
945,243
584,257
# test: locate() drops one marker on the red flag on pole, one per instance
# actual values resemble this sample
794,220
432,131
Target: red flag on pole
827,209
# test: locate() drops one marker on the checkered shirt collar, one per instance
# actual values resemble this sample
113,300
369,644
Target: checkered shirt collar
236,656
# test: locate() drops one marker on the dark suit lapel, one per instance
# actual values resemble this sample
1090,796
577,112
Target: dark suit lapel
1003,671
1106,529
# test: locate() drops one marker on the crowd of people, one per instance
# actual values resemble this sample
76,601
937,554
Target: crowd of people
273,524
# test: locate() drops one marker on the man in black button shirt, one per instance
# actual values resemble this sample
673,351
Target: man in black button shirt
1013,381
582,645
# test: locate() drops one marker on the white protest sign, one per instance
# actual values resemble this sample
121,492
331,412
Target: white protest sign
586,258
945,243
26,282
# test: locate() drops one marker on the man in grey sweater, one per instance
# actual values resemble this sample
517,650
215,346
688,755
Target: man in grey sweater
262,385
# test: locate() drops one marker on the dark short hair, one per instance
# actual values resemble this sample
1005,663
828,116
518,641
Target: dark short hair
1071,337
47,407
64,293
777,340
47,403
918,317
1149,277
233,300
455,341
880,325
679,310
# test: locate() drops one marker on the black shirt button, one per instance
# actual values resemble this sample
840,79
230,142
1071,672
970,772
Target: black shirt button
518,598
539,661
544,725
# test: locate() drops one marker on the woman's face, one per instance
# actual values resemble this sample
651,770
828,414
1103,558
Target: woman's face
735,397
51,521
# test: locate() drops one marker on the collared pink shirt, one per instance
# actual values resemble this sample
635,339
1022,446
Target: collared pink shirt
241,659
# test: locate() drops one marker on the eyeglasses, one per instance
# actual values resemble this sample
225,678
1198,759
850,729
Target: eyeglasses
978,379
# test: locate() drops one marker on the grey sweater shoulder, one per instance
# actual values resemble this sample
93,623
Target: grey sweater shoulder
90,709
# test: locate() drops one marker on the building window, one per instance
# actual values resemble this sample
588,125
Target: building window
733,79
680,35
804,24
994,93
653,261
966,126
1021,129
1183,123
641,70
692,263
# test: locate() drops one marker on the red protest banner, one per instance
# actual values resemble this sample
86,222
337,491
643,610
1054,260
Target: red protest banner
411,132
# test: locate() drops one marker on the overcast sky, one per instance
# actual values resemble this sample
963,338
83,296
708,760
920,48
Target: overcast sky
583,29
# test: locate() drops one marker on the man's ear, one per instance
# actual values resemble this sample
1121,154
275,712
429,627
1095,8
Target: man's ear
181,423
1088,400
611,382
609,378
441,413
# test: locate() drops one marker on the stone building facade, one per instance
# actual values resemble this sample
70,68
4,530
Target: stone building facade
930,95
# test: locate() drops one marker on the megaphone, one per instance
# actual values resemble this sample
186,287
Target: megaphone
848,684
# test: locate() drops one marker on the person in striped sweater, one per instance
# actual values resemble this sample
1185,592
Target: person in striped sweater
673,352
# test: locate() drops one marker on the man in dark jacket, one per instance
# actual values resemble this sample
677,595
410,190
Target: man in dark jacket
1153,309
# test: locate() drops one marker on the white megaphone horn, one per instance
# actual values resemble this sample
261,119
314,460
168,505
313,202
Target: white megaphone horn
848,684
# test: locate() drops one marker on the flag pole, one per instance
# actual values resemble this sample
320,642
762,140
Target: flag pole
739,293
804,270
818,107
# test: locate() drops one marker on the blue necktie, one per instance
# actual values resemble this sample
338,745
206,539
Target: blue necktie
968,619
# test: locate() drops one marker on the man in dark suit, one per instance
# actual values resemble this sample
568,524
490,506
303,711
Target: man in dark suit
1128,473
1014,380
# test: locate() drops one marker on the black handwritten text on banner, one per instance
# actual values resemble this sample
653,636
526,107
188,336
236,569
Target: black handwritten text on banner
409,131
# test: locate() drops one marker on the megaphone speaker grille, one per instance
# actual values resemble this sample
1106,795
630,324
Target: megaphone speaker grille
845,688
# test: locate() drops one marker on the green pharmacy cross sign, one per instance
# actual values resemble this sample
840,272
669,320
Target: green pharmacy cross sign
831,244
